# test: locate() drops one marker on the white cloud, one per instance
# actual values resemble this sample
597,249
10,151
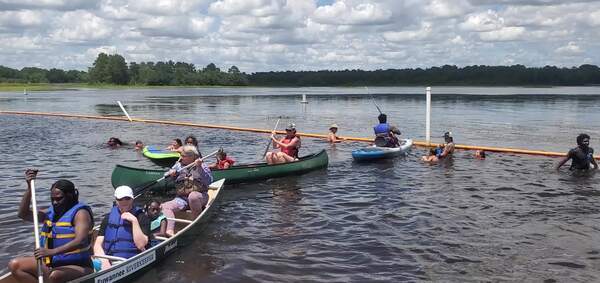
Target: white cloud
503,34
401,36
447,8
263,35
362,14
487,21
570,49
20,19
80,27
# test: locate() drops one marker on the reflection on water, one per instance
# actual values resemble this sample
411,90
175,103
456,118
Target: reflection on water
506,218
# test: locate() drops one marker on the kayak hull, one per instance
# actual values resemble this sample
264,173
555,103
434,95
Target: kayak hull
160,157
373,153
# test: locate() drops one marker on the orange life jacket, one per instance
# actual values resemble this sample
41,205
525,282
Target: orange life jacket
291,151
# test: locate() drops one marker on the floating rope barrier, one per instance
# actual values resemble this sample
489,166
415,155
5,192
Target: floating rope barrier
319,136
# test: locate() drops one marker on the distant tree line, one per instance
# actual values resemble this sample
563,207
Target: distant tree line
113,69
39,75
516,75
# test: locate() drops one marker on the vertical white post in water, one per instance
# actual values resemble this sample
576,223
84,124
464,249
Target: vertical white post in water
304,99
428,116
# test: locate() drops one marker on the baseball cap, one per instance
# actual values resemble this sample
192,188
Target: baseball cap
123,191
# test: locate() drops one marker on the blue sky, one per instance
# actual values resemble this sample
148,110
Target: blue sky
273,35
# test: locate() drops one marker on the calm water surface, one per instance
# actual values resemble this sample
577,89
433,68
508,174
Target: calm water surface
508,218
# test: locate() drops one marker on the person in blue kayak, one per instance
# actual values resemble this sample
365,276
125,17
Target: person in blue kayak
125,231
581,156
447,149
64,236
385,134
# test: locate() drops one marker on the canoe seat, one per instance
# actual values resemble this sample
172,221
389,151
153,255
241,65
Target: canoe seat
110,257
180,220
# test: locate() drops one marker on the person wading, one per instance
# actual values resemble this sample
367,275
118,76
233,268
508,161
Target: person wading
581,156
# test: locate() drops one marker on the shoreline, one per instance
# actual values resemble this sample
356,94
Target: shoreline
16,87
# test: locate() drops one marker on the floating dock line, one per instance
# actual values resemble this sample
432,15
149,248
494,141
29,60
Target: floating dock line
319,136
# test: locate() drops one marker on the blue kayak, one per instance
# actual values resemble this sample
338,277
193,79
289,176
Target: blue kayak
375,153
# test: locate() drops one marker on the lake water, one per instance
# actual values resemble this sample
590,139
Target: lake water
506,218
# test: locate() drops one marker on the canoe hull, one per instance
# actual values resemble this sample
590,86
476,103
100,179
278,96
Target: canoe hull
137,265
374,153
134,177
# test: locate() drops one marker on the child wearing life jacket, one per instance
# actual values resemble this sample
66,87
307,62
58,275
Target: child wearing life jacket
223,162
158,221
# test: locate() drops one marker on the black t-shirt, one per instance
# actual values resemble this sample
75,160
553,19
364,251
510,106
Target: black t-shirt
580,159
142,220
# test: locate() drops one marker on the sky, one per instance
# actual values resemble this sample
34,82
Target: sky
278,35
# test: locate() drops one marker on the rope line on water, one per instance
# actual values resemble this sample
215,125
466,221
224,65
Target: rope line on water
319,136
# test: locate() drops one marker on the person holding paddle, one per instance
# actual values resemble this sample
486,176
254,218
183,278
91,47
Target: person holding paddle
64,238
385,134
288,146
191,186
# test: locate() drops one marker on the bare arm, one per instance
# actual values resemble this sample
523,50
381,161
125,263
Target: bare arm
594,163
447,150
25,212
162,232
98,250
563,161
139,238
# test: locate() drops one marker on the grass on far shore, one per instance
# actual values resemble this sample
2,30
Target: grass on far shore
20,87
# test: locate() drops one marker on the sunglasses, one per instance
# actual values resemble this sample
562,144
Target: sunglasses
124,198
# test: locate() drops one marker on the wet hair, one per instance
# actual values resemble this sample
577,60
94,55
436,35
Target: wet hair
221,154
68,188
138,142
582,137
115,141
432,151
382,118
178,142
194,140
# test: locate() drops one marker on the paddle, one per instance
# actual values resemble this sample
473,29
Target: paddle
124,111
269,143
139,191
36,231
373,99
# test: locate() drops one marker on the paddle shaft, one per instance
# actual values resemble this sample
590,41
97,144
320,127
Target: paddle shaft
269,144
36,230
124,111
373,99
145,187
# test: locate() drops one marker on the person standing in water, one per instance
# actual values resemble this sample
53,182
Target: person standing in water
332,137
448,149
581,156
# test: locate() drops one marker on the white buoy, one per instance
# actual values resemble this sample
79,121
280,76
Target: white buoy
304,99
25,91
428,116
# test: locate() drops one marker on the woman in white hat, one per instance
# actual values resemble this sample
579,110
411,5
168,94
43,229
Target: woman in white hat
332,137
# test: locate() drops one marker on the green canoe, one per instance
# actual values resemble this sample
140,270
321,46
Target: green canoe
134,177
161,157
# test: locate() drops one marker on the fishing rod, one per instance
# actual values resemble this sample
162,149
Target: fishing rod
373,99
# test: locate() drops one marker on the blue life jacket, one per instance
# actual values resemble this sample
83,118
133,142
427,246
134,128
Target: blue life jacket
62,232
382,130
118,235
438,151
155,224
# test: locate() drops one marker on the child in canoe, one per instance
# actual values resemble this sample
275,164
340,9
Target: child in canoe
223,162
